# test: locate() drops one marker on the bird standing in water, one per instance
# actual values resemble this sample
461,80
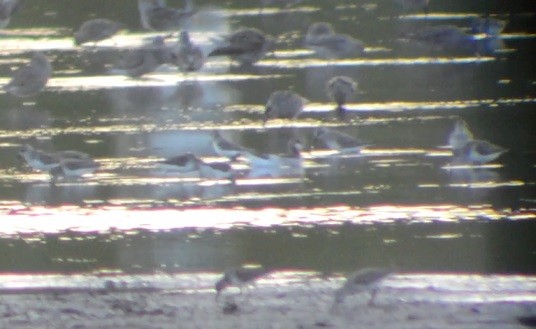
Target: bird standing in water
29,80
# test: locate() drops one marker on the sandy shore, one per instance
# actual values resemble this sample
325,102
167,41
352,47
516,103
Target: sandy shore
276,302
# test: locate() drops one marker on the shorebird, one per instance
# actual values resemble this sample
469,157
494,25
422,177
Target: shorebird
272,161
283,104
239,278
30,79
74,168
336,140
446,38
189,57
247,46
155,15
340,89
147,58
7,9
326,43
487,25
96,30
365,280
216,170
478,152
226,148
459,136
45,161
182,164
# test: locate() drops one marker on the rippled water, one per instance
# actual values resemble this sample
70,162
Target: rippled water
398,202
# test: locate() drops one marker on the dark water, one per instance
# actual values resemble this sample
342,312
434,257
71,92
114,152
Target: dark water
395,204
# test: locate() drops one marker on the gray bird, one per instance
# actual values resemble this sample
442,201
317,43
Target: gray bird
247,46
7,9
96,30
147,58
446,38
283,104
239,278
226,148
459,136
30,79
189,57
340,89
336,140
365,280
44,161
74,168
155,15
326,43
478,152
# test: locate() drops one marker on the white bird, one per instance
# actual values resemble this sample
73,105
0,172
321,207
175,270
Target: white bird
247,46
365,280
336,140
326,43
478,152
96,30
283,104
30,79
459,136
155,15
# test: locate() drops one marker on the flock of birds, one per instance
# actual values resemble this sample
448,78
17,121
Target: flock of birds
367,280
245,46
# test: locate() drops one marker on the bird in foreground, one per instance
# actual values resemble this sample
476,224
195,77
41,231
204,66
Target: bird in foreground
478,152
155,15
7,9
30,79
326,43
189,57
336,140
340,89
246,46
446,38
239,278
96,30
283,104
190,165
275,162
459,136
147,58
365,280
181,164
487,25
74,168
44,161
226,148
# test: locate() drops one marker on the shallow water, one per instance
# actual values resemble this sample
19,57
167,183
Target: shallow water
399,202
